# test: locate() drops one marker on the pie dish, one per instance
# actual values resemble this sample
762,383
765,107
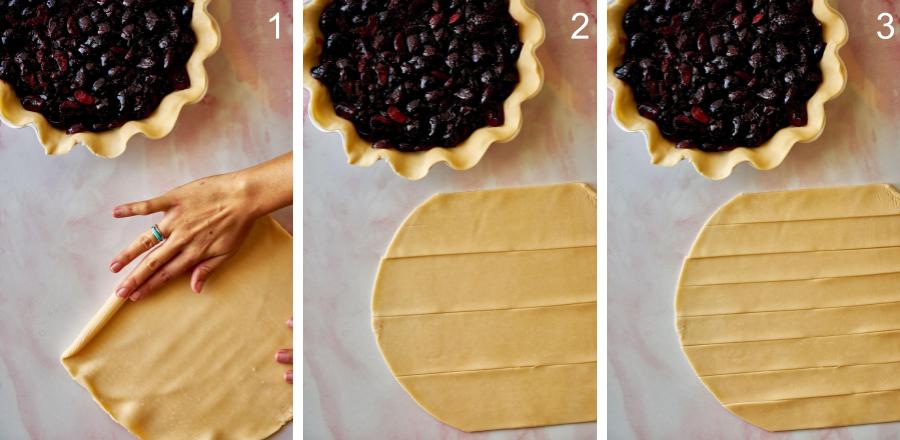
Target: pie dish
415,164
719,164
111,142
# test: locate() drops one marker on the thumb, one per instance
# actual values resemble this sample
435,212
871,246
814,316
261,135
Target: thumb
203,270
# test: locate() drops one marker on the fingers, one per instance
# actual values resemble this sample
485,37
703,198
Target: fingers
204,270
154,263
285,356
143,243
142,208
175,267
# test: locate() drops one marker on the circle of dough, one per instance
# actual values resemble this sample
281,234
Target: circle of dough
484,307
182,366
788,307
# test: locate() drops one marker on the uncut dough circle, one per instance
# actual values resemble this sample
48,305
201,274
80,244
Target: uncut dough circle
484,307
788,307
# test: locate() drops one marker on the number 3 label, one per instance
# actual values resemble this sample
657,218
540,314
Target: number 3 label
888,24
577,34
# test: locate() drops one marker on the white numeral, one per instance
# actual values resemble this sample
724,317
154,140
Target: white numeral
889,24
577,34
277,19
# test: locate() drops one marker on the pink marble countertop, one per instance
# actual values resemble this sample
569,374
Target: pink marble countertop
351,213
655,213
58,234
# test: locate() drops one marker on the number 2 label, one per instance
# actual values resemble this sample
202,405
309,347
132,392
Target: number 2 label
577,34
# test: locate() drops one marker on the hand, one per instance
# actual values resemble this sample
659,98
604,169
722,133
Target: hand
206,222
286,356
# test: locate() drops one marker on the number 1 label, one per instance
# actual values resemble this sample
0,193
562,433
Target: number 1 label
277,20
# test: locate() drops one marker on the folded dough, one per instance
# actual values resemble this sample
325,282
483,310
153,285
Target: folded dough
788,307
178,365
485,309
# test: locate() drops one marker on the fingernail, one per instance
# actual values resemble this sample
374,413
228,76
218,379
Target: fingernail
136,295
117,212
283,357
289,376
290,323
198,286
115,267
122,292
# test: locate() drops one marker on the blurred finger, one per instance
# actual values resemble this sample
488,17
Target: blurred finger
289,376
284,356
204,270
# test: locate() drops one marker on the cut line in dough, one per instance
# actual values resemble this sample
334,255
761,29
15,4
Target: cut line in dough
485,307
486,310
788,307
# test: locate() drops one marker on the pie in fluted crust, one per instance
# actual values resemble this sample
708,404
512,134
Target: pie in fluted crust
718,165
112,142
415,165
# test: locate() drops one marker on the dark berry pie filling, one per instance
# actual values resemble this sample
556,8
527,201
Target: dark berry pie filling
92,65
412,75
721,74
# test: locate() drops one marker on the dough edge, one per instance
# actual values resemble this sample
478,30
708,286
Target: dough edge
588,191
713,219
106,312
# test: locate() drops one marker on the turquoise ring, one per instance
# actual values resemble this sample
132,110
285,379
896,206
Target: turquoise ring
155,230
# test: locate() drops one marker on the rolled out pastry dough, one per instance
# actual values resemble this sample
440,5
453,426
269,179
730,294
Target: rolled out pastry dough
788,307
178,365
484,307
